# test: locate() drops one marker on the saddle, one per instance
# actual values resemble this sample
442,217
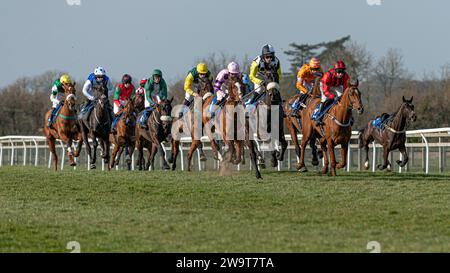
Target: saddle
380,121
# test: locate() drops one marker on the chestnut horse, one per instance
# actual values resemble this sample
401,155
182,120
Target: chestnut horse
225,118
125,138
294,125
392,135
337,128
205,91
65,127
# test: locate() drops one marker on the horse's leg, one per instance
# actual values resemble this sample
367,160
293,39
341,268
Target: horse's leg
194,146
151,158
243,153
94,148
165,165
323,145
252,147
312,144
202,154
119,155
130,154
385,158
140,149
230,152
70,153
332,157
293,133
79,146
106,145
344,151
51,144
238,150
113,156
402,150
174,154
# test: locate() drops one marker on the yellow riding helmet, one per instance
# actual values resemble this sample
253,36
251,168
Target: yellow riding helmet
202,68
65,79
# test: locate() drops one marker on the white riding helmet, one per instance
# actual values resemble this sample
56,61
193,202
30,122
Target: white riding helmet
99,71
233,68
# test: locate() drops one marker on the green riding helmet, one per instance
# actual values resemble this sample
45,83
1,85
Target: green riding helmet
157,72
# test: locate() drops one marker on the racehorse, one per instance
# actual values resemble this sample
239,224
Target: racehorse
294,125
97,126
225,119
205,90
159,129
271,96
65,127
391,135
125,138
337,128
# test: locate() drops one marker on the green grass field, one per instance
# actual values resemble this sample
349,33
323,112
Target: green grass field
159,211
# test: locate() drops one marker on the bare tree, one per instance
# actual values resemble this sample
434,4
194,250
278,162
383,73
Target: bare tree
389,70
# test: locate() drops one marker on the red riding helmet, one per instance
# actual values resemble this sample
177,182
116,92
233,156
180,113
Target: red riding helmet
340,65
143,82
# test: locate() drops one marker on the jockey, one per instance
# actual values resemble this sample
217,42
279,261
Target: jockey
155,91
266,61
124,91
56,97
333,84
141,89
95,79
221,84
305,82
200,71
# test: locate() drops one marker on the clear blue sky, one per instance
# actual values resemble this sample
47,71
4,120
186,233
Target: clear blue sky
136,36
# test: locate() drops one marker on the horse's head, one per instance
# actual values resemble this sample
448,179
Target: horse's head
235,87
138,102
273,93
354,96
128,112
205,86
407,109
165,111
69,91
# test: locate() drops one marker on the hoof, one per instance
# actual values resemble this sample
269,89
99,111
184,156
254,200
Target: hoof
92,166
303,169
274,163
73,164
202,157
258,176
366,165
170,160
166,167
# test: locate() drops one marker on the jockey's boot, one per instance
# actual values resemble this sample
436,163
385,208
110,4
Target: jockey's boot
114,124
143,121
50,121
320,114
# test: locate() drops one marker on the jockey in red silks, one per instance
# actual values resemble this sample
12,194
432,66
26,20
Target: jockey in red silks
124,91
333,84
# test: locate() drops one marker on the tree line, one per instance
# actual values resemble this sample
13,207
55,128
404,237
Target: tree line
383,82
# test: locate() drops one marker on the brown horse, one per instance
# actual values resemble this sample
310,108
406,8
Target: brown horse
97,126
227,121
294,125
159,129
138,102
65,128
392,135
337,128
125,138
205,91
272,98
